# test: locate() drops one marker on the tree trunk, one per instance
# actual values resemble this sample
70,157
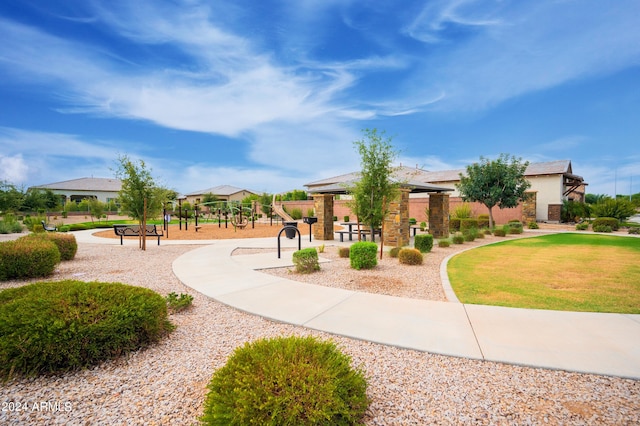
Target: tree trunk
490,217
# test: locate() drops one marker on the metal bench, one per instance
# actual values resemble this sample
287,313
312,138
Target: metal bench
48,228
134,231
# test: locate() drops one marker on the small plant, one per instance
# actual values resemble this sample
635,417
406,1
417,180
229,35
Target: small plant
483,220
423,226
635,230
346,218
423,242
513,227
363,255
50,327
335,218
458,238
468,224
343,252
177,303
487,231
582,226
454,224
469,236
412,221
444,243
463,211
533,225
410,256
321,248
394,252
10,225
499,232
296,213
286,381
306,260
310,212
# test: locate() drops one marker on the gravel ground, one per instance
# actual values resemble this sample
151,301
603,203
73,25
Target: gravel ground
166,384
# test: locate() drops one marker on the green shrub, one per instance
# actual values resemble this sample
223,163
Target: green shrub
412,221
458,239
363,255
499,232
483,220
10,224
306,260
78,227
50,327
602,228
533,225
487,231
423,226
296,213
27,258
479,234
343,252
634,231
444,243
468,223
582,226
469,236
612,222
462,211
66,243
513,227
177,303
335,218
394,252
619,208
423,242
286,381
410,256
454,224
310,212
346,218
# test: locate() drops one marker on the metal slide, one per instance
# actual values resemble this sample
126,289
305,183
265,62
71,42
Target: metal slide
277,209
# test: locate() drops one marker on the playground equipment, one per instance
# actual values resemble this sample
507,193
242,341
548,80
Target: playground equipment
277,209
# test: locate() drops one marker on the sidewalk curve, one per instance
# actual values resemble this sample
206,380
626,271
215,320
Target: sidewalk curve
599,343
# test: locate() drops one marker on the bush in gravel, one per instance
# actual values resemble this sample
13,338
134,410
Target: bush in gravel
612,222
582,226
66,243
513,227
50,327
444,243
410,256
286,381
343,252
394,252
28,258
458,238
499,232
306,260
602,228
469,236
10,225
177,303
533,225
454,224
423,242
363,255
634,231
467,224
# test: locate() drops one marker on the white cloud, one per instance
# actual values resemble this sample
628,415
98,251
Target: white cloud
13,169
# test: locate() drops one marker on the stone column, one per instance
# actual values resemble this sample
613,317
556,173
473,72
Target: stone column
323,228
529,207
396,223
439,215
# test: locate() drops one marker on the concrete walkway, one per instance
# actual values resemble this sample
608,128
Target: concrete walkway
607,344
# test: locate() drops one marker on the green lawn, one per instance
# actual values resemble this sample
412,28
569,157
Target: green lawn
567,272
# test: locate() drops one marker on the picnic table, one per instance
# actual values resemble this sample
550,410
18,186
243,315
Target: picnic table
351,232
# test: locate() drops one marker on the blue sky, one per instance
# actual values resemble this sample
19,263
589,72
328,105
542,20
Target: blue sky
271,94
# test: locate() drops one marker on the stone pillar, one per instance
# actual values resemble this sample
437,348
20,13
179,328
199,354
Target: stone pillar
396,223
439,215
529,207
323,228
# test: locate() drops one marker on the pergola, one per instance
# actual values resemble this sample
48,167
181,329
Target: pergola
396,223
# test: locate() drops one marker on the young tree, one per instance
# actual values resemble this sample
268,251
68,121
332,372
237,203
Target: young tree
499,182
375,184
139,197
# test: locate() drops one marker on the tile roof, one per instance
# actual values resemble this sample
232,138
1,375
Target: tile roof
85,184
220,190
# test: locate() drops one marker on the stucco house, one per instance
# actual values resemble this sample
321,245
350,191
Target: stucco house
101,189
222,192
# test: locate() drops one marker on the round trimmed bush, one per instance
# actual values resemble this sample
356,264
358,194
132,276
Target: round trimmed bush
394,252
343,252
286,381
444,243
611,222
363,255
469,236
467,224
66,243
410,256
423,242
306,260
499,232
28,258
458,239
454,224
50,327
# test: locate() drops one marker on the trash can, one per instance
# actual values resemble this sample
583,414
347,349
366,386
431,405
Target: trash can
289,232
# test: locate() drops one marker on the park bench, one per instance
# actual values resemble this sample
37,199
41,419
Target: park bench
48,228
134,231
